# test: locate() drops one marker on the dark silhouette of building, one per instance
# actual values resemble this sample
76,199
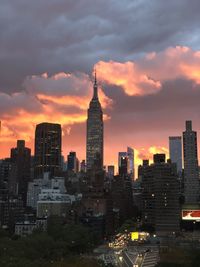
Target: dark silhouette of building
83,166
122,196
175,151
47,149
72,162
111,172
123,166
127,156
11,209
5,167
191,170
21,170
160,195
94,153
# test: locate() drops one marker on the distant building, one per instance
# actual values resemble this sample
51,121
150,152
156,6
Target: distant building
121,155
83,166
130,154
53,202
35,188
122,197
21,165
11,209
111,171
63,164
191,173
26,226
47,149
160,195
72,162
5,168
123,164
175,152
129,157
94,155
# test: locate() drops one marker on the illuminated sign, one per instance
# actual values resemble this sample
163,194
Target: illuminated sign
191,215
134,236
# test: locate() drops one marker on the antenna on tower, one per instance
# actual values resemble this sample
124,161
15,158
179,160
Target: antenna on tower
95,76
95,96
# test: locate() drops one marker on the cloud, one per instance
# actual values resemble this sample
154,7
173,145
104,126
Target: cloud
137,113
62,98
147,153
72,36
127,76
147,75
172,63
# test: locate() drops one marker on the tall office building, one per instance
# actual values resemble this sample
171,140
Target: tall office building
72,162
47,149
121,155
94,154
111,171
160,195
175,152
123,165
83,166
21,169
191,173
129,155
5,167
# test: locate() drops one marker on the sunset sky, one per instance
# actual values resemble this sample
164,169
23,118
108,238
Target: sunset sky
147,57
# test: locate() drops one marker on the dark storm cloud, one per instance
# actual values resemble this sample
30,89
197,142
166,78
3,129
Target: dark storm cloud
58,35
166,111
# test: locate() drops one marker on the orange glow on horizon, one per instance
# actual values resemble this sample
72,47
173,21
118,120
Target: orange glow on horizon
64,98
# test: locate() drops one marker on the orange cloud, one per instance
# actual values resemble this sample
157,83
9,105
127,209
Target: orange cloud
172,63
62,98
146,75
127,75
147,153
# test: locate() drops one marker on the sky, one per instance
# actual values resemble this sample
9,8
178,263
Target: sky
147,57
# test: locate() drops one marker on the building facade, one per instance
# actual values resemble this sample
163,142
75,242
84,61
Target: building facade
94,154
47,149
21,169
175,152
130,153
160,195
191,172
127,156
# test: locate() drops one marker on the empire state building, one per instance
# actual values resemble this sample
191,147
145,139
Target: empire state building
94,155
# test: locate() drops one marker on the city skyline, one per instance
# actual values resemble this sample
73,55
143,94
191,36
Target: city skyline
141,153
99,133
148,84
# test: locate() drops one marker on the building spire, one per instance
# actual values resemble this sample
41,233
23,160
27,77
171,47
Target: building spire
95,95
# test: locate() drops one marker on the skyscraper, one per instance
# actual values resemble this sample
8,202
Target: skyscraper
47,149
21,169
129,155
175,151
160,195
72,162
111,171
94,154
123,165
191,174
